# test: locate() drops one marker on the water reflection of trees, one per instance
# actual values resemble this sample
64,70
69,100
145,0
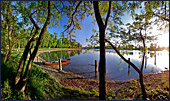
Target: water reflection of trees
51,56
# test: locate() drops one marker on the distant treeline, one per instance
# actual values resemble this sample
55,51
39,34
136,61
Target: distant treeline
151,48
52,41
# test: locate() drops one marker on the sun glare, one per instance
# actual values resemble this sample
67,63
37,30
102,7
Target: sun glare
164,40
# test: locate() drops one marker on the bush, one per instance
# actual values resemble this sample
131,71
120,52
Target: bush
6,92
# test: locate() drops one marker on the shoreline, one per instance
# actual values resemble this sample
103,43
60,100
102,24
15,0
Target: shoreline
67,49
69,79
90,84
42,51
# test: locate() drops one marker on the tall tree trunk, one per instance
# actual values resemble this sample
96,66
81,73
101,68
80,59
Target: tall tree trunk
23,81
102,62
10,42
142,86
141,78
141,69
7,30
102,67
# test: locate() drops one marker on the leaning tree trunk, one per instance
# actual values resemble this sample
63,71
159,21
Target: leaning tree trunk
24,57
23,81
25,54
139,71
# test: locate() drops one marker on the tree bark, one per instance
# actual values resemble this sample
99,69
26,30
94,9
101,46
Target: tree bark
11,44
142,86
24,57
141,69
5,56
27,49
23,81
10,51
7,30
102,62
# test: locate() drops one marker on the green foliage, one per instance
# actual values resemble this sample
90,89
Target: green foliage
8,69
165,84
111,94
94,92
158,93
8,73
58,55
119,63
51,41
133,81
6,92
36,89
40,85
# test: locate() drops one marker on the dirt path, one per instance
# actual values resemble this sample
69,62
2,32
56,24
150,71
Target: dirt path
54,71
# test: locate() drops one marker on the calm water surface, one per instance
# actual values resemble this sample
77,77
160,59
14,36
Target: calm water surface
82,63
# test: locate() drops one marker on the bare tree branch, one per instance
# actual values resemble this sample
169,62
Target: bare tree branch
32,20
72,20
35,24
163,18
127,61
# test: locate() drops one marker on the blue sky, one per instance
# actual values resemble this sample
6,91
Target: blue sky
81,35
87,26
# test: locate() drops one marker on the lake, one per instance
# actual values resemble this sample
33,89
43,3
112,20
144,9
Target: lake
83,62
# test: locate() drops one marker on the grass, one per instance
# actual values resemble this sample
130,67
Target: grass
44,49
133,91
40,49
40,85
